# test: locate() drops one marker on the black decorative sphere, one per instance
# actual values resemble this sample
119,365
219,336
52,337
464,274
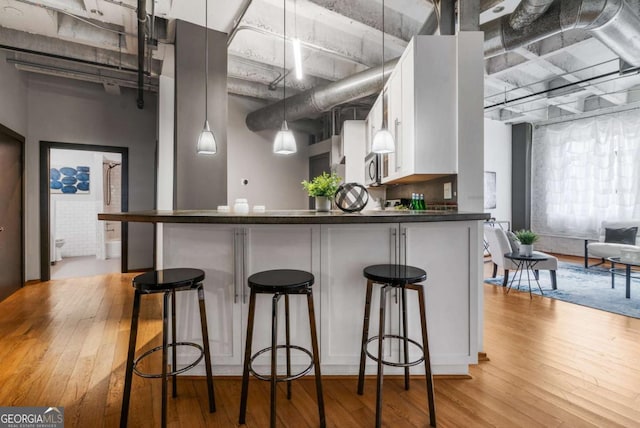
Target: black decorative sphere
351,197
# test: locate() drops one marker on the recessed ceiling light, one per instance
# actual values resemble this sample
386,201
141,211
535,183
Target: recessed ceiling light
497,9
12,10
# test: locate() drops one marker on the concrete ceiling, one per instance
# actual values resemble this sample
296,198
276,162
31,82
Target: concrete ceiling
96,40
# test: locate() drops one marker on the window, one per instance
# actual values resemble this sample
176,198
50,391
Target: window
585,171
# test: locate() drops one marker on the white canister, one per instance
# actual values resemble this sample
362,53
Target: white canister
241,206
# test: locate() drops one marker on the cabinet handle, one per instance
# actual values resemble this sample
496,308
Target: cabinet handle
404,238
398,154
235,267
244,266
393,244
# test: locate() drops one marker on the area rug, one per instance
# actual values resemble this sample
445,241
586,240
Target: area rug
587,287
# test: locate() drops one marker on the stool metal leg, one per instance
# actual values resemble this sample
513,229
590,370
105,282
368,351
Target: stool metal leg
247,359
165,342
405,329
427,360
274,355
365,336
383,304
288,335
174,358
207,351
316,358
128,374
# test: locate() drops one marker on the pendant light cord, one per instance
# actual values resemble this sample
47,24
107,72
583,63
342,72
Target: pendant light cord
383,43
206,61
284,61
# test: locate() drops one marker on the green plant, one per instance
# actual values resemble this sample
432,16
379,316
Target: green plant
323,185
526,237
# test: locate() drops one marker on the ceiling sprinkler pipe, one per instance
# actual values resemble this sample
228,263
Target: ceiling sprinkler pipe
142,17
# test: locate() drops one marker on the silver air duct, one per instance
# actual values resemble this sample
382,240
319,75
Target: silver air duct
321,98
528,11
613,22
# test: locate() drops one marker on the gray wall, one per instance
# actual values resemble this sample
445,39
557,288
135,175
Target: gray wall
201,181
71,111
521,176
273,180
13,97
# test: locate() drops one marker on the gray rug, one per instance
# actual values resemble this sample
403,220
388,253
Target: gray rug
584,287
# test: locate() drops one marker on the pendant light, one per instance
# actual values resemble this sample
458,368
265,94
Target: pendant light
383,139
206,141
284,143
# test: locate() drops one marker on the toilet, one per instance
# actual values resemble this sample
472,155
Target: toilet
59,244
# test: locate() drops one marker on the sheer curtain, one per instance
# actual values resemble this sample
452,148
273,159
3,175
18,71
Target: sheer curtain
584,172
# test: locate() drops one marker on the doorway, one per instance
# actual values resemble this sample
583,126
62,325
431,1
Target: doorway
79,182
11,212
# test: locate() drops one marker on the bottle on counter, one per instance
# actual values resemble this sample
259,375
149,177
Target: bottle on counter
423,206
414,202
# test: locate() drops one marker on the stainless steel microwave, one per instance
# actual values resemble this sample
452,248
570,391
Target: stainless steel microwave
372,169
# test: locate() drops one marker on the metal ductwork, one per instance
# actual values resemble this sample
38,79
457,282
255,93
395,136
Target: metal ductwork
322,98
528,11
613,22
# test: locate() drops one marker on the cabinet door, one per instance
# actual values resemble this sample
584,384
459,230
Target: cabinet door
211,248
346,251
374,121
282,247
407,123
395,122
447,252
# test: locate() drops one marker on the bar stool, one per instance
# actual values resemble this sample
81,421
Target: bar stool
166,281
280,282
392,276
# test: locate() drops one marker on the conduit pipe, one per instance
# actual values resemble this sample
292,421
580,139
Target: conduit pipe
142,18
321,98
613,22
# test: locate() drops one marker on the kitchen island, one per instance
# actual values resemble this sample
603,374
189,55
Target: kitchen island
335,247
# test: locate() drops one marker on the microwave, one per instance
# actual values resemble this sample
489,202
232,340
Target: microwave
372,169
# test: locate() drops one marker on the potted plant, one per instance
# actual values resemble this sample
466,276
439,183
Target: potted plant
526,238
323,188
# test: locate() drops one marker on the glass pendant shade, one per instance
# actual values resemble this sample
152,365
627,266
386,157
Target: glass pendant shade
207,141
284,143
383,142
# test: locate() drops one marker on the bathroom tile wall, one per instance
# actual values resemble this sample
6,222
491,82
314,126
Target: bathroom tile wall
76,223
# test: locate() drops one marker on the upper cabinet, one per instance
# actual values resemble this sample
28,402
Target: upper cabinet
422,111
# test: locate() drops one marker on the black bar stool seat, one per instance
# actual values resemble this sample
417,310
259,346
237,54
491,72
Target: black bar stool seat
402,277
166,281
280,282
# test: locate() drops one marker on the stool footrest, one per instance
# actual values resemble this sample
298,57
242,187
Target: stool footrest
281,378
173,372
393,363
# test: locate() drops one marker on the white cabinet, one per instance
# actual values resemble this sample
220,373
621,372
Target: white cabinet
393,162
215,250
282,247
374,122
448,252
229,255
346,251
426,89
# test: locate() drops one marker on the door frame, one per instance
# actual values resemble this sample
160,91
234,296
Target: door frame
45,208
21,140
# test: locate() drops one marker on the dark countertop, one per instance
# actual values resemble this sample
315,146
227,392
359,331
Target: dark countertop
291,217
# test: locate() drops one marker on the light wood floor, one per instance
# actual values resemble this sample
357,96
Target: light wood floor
552,364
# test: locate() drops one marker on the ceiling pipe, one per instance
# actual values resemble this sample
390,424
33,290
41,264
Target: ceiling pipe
311,103
142,18
613,22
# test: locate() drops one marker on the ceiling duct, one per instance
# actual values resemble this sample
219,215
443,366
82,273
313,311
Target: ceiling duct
321,98
613,22
528,11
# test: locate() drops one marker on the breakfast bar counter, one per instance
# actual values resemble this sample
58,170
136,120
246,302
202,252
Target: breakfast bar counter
334,247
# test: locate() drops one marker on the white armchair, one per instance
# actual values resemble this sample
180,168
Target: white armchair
602,249
499,245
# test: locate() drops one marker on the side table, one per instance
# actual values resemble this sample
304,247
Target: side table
525,263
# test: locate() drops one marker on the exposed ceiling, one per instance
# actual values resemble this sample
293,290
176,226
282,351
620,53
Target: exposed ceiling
96,40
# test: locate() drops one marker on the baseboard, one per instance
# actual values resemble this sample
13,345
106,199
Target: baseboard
335,377
482,356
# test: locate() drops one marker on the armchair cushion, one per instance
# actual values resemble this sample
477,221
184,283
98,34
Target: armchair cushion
604,249
513,241
624,235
